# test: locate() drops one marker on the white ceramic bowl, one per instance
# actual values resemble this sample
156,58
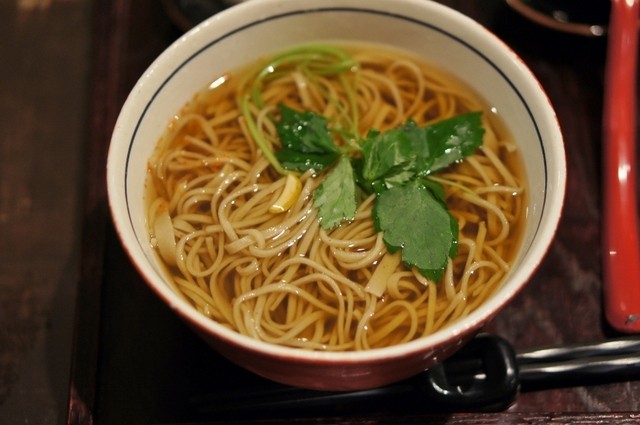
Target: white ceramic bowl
256,28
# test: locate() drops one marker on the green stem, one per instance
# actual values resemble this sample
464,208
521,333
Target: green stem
315,60
259,137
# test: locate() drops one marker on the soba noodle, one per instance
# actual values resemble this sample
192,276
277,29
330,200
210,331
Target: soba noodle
282,278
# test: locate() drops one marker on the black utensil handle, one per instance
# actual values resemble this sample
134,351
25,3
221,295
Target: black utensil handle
482,376
611,347
580,371
485,375
492,387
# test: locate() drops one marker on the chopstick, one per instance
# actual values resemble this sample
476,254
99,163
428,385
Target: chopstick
486,375
588,363
621,241
554,353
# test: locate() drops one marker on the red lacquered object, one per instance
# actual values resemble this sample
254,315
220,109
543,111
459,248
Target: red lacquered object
621,241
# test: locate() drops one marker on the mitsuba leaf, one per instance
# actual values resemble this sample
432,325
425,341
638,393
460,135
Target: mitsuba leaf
436,189
305,131
410,208
306,140
397,156
389,157
335,197
414,220
300,161
451,140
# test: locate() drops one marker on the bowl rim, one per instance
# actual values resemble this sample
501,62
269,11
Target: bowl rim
255,12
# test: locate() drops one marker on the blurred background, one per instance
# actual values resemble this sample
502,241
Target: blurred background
44,73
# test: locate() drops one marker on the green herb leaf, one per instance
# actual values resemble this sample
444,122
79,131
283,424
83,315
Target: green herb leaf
410,208
301,161
306,141
436,189
397,156
451,140
413,220
335,197
389,157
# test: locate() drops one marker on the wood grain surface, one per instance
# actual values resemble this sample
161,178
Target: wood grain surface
44,66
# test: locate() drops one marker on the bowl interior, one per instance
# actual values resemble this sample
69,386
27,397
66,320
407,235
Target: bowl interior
257,28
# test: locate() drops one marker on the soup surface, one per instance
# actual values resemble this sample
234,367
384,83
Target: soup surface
336,197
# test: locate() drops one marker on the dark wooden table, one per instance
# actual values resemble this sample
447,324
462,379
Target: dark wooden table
134,362
44,67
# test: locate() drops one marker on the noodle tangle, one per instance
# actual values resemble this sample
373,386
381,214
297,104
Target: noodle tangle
282,278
